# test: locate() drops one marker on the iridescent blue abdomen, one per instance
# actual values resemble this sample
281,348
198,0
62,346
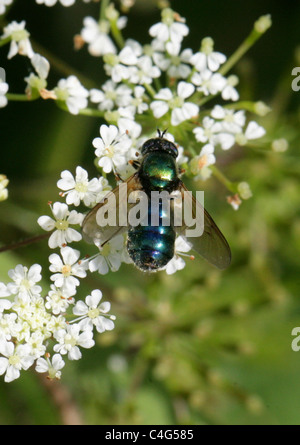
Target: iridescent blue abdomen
151,247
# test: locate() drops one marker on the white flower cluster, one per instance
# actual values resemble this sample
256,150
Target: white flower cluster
39,330
158,85
130,95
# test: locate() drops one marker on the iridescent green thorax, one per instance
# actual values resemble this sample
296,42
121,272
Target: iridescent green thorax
159,172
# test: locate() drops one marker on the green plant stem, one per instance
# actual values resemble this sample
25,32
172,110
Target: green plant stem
20,97
117,35
25,242
222,178
150,90
61,66
103,6
5,41
241,50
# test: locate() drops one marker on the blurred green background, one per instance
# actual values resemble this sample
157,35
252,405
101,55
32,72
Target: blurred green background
201,346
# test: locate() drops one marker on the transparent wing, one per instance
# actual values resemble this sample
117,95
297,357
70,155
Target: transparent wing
211,245
100,235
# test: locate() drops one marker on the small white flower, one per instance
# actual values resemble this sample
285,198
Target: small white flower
200,164
3,91
168,58
110,256
63,234
4,292
224,130
208,82
70,339
56,322
24,281
231,121
179,67
20,42
36,344
67,269
93,313
9,326
53,368
169,28
15,359
225,140
56,301
81,189
116,66
73,93
181,110
112,96
253,131
42,67
96,35
111,148
3,4
206,156
143,72
207,58
229,92
208,131
139,106
132,129
33,317
182,246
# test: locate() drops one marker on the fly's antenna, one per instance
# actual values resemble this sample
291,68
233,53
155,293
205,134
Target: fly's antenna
161,134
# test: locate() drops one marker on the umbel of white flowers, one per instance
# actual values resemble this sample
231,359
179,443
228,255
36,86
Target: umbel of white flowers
158,84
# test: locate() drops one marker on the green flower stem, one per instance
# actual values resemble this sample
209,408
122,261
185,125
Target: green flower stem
259,108
242,105
25,242
20,97
149,89
5,41
61,66
242,49
192,150
205,99
104,4
222,178
117,35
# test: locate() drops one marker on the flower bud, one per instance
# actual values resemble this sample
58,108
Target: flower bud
263,23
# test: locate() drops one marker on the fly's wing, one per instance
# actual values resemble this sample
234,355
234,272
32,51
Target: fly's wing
116,202
211,244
